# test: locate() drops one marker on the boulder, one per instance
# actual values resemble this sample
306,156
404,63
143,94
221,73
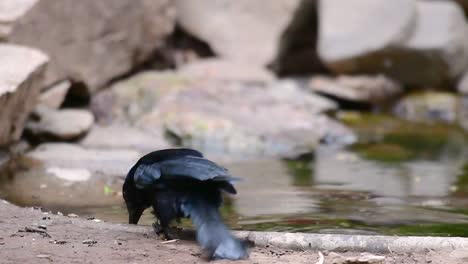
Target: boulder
241,120
428,107
398,38
127,100
442,42
11,11
225,70
91,42
21,75
239,30
361,89
118,136
55,95
251,117
60,125
375,25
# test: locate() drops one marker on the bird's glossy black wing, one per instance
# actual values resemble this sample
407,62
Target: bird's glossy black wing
146,175
169,154
198,168
194,167
146,172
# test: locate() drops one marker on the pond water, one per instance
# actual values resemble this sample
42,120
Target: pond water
400,178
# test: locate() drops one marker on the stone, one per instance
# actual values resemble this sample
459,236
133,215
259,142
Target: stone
400,39
21,75
10,11
218,118
67,156
60,125
218,115
225,70
92,42
428,107
118,136
438,39
361,89
125,101
242,30
376,25
54,96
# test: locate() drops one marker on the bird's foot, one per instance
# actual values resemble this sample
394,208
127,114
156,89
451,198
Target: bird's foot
157,228
162,230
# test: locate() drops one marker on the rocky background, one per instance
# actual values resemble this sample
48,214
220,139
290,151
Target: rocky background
93,85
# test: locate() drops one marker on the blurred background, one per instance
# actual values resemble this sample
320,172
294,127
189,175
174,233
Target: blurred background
340,116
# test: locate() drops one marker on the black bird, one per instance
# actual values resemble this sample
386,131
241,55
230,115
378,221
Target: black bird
182,183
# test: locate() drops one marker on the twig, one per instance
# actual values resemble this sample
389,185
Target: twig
321,258
35,230
170,241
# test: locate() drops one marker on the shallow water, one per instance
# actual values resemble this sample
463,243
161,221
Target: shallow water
401,178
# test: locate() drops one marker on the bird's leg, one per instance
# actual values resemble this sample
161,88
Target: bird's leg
163,228
166,230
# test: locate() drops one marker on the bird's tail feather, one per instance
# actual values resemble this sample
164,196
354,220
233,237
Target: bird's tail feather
212,234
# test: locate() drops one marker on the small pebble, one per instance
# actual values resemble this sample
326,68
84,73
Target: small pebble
72,215
43,256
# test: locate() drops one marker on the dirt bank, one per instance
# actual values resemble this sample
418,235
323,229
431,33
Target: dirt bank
30,236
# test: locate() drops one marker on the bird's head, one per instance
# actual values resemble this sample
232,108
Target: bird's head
135,201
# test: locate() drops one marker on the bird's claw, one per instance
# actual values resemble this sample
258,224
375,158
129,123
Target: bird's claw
161,230
157,228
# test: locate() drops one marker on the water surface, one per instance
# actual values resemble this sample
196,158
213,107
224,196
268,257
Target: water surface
400,178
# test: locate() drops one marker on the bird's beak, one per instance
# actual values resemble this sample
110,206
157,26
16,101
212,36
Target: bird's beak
134,215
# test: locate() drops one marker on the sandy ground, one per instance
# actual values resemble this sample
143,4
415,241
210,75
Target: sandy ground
74,240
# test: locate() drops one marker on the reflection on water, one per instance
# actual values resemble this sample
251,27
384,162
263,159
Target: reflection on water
400,179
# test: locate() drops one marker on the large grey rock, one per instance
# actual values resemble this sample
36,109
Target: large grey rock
429,107
90,41
362,89
240,30
21,75
55,95
225,70
415,42
241,120
375,25
127,100
61,125
445,38
10,11
253,117
70,156
120,136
